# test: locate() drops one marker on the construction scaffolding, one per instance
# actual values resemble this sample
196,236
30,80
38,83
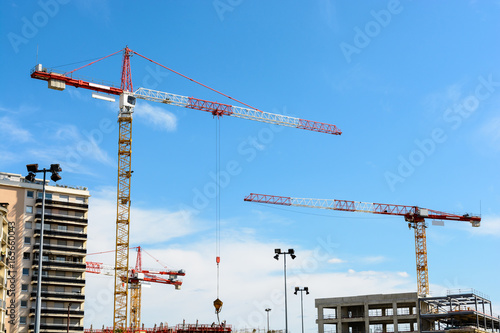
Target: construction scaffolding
460,311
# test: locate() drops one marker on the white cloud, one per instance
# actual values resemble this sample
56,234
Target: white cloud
491,130
11,131
250,279
490,225
156,116
374,259
335,261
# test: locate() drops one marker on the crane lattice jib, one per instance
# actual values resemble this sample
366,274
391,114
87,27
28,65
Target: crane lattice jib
414,215
410,212
220,109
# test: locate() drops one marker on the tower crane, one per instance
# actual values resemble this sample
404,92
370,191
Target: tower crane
136,276
415,216
127,101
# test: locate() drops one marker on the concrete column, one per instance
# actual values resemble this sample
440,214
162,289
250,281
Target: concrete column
338,314
367,318
395,316
321,328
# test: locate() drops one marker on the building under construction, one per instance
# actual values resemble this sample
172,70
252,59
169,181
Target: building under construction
462,311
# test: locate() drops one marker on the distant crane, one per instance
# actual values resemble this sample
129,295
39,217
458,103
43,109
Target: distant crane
127,100
415,216
136,277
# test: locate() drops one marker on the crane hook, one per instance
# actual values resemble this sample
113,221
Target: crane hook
217,305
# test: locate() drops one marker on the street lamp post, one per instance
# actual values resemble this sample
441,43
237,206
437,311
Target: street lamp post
267,310
69,307
291,252
306,289
32,170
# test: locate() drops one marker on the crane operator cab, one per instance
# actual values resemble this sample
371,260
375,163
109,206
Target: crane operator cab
127,104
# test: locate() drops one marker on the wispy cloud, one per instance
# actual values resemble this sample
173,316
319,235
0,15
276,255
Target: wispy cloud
336,261
11,131
439,101
490,225
491,131
374,259
156,116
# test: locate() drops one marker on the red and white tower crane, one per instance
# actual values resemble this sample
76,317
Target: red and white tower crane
415,216
127,100
135,278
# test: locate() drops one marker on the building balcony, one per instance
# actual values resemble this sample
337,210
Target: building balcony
60,249
54,295
57,312
56,264
58,280
62,204
72,235
70,220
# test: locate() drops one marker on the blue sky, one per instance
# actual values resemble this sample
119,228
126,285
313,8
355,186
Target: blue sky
414,86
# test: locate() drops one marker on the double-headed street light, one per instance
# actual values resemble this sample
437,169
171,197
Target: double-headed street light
32,171
291,252
306,289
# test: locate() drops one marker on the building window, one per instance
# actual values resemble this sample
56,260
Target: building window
26,271
24,287
64,198
24,303
22,320
78,244
58,321
62,242
48,196
48,211
60,258
30,194
27,255
27,240
79,214
80,200
78,230
62,228
28,225
46,226
29,209
63,212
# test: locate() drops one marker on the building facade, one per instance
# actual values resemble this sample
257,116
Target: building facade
368,313
462,311
64,252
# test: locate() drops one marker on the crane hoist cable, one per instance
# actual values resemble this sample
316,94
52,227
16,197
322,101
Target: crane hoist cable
217,302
